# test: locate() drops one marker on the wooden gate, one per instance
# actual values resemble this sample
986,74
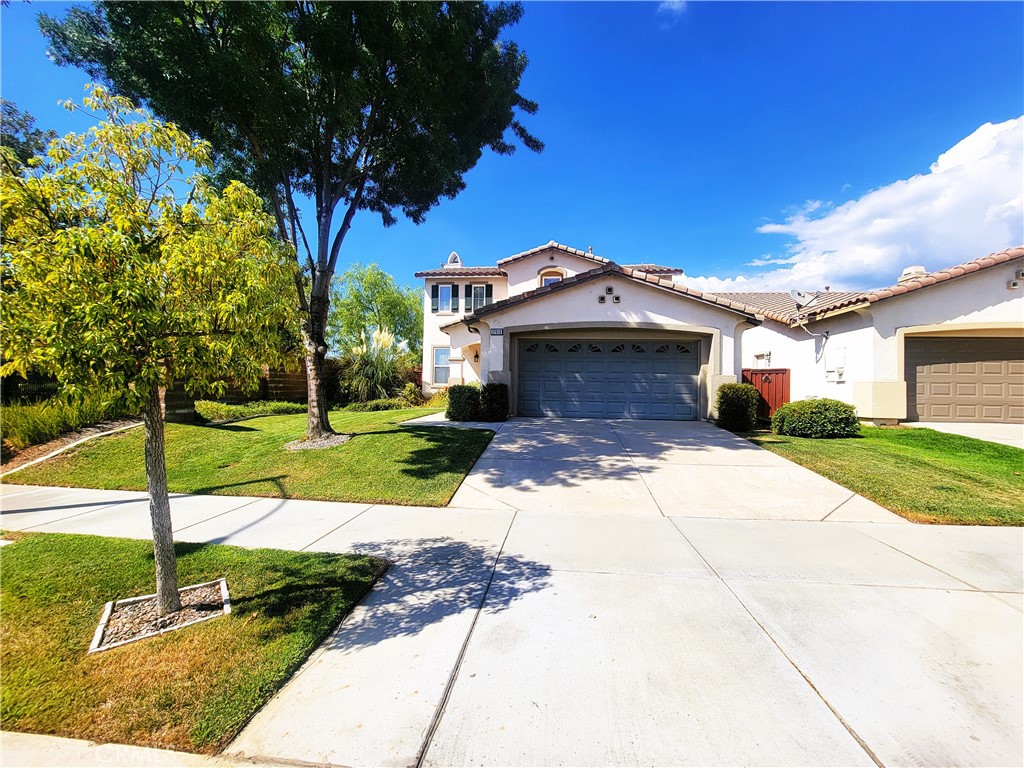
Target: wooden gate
773,386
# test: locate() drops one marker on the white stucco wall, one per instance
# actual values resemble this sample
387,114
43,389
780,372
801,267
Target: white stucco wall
868,344
641,309
969,303
433,336
524,274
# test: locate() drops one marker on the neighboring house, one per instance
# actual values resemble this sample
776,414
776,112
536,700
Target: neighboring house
574,334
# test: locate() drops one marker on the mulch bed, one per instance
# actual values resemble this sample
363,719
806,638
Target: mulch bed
330,441
136,618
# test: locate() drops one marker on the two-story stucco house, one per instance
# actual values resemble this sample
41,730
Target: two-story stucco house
577,335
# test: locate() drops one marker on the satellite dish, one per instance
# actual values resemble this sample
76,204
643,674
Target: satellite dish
801,298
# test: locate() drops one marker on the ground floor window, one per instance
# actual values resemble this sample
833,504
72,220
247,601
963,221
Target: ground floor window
441,364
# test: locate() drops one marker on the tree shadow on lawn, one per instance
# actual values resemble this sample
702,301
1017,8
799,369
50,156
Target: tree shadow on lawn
434,579
282,492
228,427
447,450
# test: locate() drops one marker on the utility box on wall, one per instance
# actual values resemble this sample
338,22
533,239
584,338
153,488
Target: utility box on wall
773,386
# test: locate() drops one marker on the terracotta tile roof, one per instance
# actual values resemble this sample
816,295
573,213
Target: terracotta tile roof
782,303
753,313
774,305
931,278
558,247
462,272
655,269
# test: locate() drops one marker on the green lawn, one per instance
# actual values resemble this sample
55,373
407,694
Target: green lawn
192,689
923,475
383,462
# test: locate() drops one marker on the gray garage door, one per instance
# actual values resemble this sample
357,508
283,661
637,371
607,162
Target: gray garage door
969,379
608,379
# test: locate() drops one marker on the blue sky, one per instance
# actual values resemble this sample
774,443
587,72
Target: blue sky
789,145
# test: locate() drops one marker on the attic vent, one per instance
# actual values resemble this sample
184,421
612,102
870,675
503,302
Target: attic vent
912,273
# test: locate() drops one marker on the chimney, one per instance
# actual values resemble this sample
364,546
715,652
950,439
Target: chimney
590,249
912,273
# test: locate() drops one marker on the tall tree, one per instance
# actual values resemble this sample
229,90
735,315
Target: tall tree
367,299
18,132
122,276
378,106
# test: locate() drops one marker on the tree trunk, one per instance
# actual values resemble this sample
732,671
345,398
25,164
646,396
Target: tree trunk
314,332
167,599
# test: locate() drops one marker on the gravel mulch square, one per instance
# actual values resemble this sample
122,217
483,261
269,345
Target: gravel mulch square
135,618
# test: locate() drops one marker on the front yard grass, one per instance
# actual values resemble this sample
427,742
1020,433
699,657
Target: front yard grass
192,689
923,475
383,463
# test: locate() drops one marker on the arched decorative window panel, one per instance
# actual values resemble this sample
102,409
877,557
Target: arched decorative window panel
549,276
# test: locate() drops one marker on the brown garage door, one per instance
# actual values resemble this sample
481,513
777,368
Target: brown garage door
965,379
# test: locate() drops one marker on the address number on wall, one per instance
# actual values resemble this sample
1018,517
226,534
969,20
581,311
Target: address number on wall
497,331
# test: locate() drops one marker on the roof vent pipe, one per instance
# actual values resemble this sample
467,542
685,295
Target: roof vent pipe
912,273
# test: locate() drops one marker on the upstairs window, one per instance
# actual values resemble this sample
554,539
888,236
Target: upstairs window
549,277
479,296
444,298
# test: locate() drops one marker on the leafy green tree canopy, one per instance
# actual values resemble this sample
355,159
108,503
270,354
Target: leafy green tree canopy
381,106
367,299
122,275
19,134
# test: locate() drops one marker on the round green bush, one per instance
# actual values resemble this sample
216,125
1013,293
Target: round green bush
821,418
463,403
737,407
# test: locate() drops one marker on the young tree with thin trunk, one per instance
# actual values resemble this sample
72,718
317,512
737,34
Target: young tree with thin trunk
121,275
378,106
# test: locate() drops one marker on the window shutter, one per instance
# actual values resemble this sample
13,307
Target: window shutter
435,291
489,294
469,298
455,298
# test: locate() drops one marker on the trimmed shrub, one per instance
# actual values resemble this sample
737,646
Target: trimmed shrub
463,403
383,404
214,411
412,394
737,407
494,402
822,418
25,424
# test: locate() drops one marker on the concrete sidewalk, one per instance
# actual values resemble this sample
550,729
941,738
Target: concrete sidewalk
505,637
1004,434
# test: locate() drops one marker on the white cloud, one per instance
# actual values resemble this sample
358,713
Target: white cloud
968,204
674,7
671,11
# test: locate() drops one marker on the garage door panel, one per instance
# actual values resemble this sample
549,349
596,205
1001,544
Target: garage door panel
608,379
976,379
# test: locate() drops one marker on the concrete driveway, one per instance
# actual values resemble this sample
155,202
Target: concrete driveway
679,469
618,628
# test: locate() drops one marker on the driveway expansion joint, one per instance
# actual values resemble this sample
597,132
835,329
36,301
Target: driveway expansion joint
923,562
839,506
442,704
